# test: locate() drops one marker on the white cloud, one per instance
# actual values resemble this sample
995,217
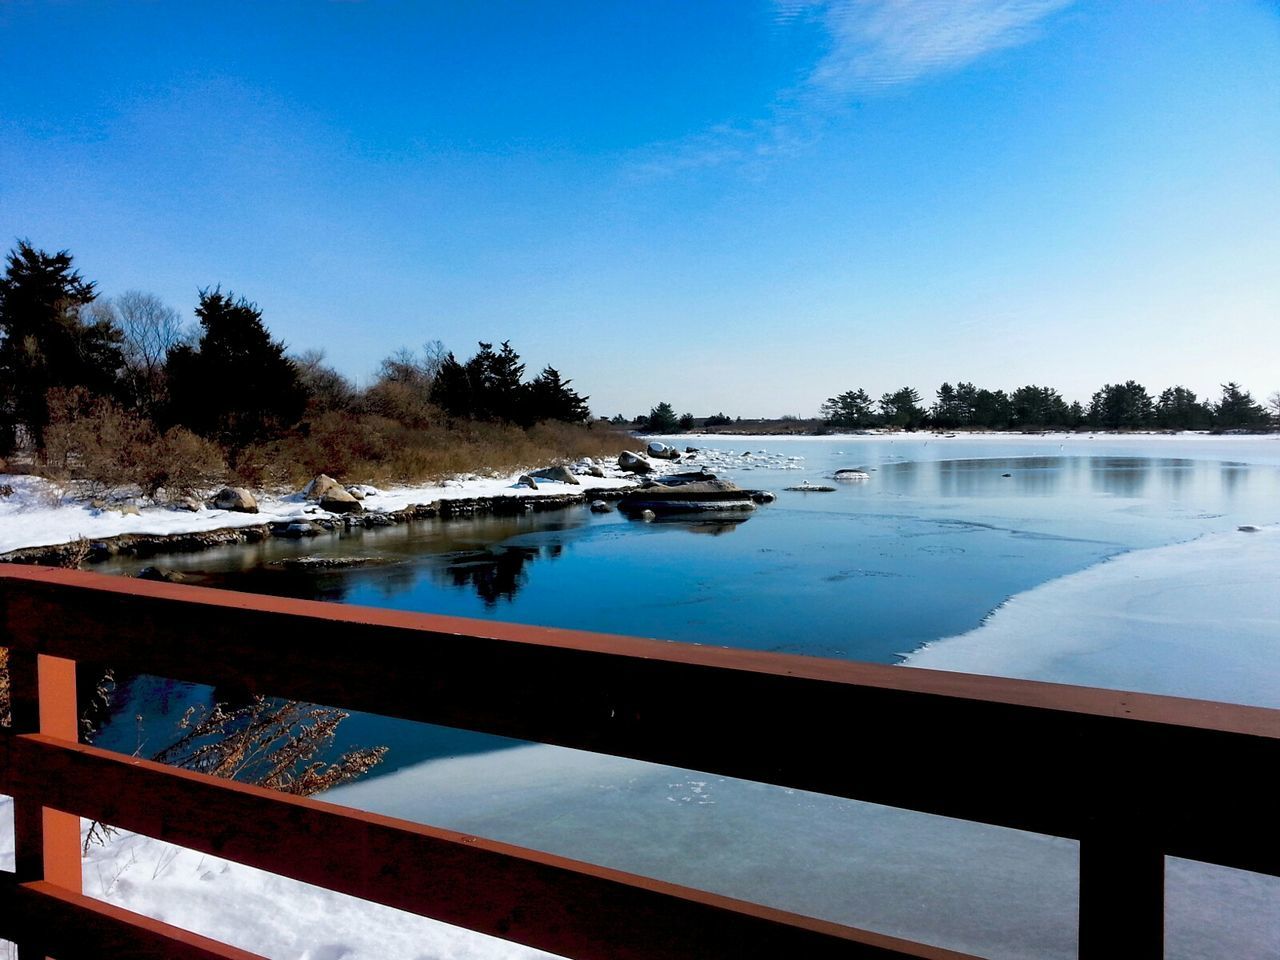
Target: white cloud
873,45
882,43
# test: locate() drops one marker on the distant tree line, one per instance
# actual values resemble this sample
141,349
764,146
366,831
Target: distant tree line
72,363
662,419
1116,406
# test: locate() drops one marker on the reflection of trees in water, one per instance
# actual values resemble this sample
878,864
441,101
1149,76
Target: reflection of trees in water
494,574
1029,476
1234,476
1122,476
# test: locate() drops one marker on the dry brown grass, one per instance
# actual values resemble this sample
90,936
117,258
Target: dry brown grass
270,743
368,448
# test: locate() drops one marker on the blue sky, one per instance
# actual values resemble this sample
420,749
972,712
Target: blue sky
745,206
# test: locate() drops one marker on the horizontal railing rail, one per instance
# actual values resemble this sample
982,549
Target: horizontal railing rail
1132,777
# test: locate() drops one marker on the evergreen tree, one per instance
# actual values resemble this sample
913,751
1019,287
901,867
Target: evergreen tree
1036,407
480,377
964,404
1179,409
1122,406
547,397
686,421
48,340
851,409
992,409
902,409
945,411
1237,409
451,390
235,385
662,419
507,391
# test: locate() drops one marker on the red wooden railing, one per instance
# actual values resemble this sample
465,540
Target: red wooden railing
1132,777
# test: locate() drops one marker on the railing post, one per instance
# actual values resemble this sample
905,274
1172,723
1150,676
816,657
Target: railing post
1121,898
46,841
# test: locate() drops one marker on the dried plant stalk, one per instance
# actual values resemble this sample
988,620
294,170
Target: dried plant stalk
270,743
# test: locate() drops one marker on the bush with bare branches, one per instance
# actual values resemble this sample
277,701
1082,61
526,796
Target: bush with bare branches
107,448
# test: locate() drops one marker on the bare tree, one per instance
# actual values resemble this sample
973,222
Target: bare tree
151,329
433,354
418,371
326,388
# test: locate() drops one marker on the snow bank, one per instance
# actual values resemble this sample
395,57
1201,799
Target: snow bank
261,912
1198,619
40,513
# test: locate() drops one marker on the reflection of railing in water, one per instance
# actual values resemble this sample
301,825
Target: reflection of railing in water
1132,777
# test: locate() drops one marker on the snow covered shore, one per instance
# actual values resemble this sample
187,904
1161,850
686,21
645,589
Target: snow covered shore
39,513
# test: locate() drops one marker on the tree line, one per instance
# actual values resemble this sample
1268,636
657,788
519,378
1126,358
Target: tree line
1115,406
130,369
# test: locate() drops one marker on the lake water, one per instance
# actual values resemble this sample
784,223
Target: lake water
943,532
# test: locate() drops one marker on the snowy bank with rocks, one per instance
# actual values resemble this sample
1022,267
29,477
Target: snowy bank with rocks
39,513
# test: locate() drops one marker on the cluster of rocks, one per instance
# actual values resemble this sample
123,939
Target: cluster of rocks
639,463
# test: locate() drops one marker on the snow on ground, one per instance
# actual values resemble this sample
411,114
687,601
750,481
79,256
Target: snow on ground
39,513
261,912
1198,619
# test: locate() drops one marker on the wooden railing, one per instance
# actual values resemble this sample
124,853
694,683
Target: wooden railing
1132,777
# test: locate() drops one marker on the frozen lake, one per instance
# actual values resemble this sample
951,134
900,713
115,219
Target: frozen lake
944,532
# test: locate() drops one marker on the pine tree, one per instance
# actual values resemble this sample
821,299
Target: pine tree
902,409
1122,406
1179,409
451,391
662,419
852,409
48,340
235,385
547,397
1237,409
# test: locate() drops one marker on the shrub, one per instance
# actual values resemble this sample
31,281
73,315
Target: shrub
95,441
182,464
108,448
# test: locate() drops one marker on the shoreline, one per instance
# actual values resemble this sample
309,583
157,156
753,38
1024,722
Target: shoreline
40,523
143,544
